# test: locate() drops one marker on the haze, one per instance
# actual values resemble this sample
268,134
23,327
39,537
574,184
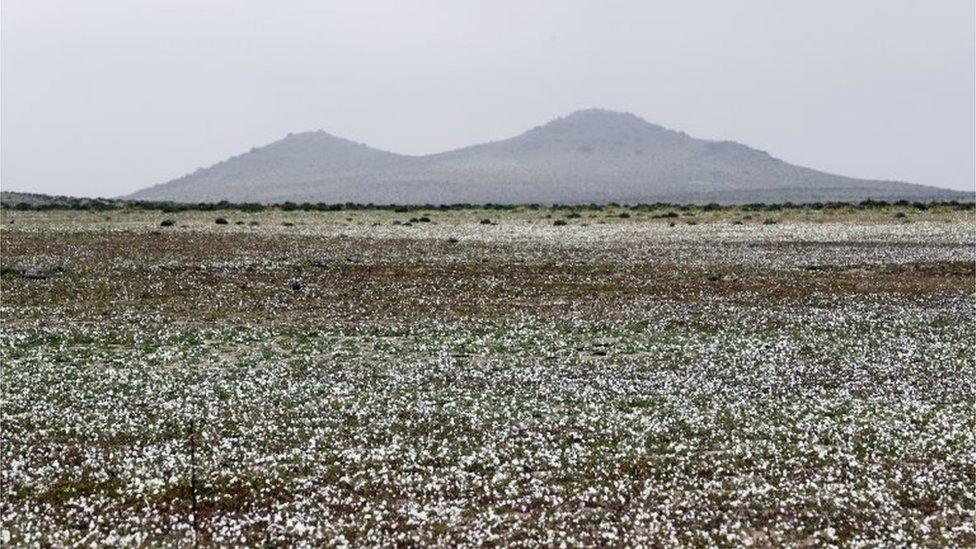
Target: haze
102,98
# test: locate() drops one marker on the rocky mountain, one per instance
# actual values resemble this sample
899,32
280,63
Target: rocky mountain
589,156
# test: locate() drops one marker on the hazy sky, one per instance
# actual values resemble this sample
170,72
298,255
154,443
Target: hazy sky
105,97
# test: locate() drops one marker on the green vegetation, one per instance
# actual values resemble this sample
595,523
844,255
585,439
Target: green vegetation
330,378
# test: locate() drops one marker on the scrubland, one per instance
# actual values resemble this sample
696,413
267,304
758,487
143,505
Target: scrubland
431,378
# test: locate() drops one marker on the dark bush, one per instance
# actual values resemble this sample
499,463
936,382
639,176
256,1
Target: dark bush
559,223
220,221
167,223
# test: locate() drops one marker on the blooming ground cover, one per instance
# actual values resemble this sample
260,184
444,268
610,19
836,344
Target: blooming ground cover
335,378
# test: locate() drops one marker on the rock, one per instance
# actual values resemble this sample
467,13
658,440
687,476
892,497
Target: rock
34,274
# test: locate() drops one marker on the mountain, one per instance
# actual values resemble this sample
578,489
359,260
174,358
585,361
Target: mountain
588,156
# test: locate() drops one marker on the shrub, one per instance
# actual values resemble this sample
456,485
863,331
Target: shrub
486,222
220,221
559,223
624,215
167,223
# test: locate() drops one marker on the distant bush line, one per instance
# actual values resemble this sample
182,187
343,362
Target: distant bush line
172,207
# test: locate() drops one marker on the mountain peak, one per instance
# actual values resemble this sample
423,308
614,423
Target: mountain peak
605,123
598,118
601,115
316,136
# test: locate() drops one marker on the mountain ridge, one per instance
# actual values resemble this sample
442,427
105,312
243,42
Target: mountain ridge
591,155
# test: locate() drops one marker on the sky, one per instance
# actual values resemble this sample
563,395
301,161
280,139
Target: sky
104,97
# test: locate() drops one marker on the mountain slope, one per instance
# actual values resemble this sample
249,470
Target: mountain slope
296,159
588,156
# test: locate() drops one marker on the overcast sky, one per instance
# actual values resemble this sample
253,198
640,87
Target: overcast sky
101,98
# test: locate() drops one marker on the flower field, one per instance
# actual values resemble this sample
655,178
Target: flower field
369,378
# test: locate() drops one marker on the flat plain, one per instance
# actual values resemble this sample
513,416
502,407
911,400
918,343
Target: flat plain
489,377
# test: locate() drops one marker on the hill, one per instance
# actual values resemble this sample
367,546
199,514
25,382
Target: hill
9,199
589,156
